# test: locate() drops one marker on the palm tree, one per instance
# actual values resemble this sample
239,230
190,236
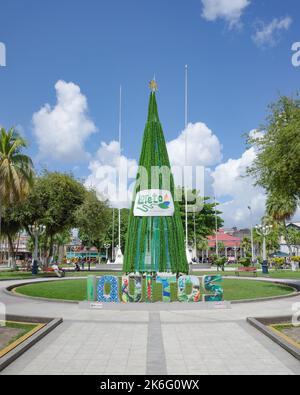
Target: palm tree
16,170
221,247
246,246
294,237
203,246
282,208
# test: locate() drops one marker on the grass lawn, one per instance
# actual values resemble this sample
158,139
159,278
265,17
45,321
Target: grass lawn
280,274
252,290
76,290
65,290
283,274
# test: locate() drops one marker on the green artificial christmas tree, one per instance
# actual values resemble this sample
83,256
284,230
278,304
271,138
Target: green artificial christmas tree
155,239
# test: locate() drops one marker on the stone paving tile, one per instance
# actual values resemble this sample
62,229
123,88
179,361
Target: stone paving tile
67,352
225,348
178,342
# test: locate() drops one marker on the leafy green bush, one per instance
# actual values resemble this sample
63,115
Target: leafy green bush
246,262
279,261
220,263
296,258
214,258
260,260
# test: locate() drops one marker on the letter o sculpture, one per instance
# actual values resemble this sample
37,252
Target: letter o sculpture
195,295
113,297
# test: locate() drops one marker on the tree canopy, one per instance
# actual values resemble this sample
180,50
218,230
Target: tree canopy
92,220
53,202
16,169
203,219
277,166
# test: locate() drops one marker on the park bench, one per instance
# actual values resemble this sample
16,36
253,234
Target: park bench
252,270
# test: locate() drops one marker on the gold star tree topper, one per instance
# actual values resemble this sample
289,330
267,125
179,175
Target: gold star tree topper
153,86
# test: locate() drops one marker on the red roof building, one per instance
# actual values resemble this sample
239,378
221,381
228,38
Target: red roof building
222,237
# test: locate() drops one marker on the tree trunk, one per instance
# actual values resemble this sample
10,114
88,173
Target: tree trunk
48,253
2,257
51,246
12,252
287,238
60,252
18,243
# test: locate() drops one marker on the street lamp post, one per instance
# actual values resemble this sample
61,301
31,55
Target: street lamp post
264,231
252,236
195,236
113,237
107,247
217,229
36,231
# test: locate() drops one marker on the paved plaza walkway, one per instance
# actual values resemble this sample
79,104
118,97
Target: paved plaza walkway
152,339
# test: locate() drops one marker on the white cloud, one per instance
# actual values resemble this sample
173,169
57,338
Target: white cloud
109,173
268,35
62,131
229,10
204,148
230,184
108,167
203,151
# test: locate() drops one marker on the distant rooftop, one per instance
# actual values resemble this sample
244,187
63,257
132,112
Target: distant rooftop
225,238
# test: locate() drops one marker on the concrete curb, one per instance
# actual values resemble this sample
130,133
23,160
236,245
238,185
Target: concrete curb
51,324
261,325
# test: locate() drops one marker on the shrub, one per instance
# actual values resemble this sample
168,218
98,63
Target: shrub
296,258
246,262
260,260
220,263
214,258
279,261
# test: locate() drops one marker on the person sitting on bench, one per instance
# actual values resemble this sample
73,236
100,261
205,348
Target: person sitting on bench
59,272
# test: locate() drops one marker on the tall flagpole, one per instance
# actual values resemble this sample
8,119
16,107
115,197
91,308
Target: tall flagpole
113,237
186,164
120,258
120,147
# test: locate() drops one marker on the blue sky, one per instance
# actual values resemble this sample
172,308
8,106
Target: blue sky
99,44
